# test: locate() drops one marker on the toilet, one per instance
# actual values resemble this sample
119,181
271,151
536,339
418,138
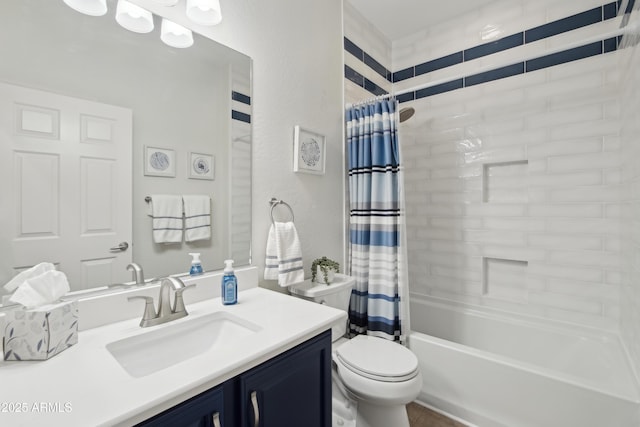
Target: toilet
372,378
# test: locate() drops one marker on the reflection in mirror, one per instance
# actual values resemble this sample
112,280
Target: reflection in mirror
85,107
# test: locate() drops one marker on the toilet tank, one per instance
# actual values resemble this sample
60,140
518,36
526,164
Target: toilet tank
336,295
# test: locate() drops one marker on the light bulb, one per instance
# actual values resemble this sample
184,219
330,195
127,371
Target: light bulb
88,7
175,35
133,17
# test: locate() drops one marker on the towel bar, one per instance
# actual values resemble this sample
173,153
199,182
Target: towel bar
275,202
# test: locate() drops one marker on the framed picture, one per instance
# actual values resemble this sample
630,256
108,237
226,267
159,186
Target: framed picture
201,166
308,151
159,162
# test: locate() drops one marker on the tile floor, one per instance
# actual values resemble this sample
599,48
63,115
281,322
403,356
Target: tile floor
419,416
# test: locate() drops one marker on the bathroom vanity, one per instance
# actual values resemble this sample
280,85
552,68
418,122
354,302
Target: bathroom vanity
267,356
292,389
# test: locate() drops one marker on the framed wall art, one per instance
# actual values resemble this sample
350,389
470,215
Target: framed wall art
201,166
159,161
309,149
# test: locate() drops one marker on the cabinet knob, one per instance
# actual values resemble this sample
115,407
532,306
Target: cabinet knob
216,419
256,409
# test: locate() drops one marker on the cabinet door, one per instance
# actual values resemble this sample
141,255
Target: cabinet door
204,410
291,390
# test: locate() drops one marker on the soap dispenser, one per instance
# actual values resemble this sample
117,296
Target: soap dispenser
196,266
229,292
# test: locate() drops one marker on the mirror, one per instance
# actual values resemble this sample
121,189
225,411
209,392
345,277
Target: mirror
187,102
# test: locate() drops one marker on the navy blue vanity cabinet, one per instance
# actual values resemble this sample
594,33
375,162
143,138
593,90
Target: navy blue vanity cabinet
204,410
291,390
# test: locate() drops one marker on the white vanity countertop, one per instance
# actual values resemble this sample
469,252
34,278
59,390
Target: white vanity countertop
86,386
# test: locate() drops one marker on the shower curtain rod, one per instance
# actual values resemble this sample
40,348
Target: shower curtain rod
367,101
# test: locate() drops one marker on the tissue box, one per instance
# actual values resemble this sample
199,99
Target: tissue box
40,333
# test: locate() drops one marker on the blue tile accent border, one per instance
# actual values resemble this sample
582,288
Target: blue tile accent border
437,64
498,73
560,26
240,97
238,115
494,47
565,56
356,51
441,88
362,81
589,17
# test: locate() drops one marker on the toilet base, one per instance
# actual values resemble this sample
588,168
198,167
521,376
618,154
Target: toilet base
381,416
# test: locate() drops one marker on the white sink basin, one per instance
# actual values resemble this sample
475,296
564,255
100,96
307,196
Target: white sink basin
166,345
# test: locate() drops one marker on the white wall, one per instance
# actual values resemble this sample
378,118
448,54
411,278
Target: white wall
296,47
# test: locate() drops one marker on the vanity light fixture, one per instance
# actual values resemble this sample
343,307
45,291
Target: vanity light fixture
204,12
175,35
88,7
133,17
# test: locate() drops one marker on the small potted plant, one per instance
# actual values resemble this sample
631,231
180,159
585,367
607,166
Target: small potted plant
323,270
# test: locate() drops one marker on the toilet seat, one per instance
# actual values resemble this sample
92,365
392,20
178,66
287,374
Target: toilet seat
377,359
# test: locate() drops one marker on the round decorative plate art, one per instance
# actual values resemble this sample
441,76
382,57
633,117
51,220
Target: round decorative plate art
201,166
309,152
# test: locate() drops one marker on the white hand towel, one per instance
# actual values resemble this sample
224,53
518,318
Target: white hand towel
271,261
289,252
197,217
166,214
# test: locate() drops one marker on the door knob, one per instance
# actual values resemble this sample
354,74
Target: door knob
123,246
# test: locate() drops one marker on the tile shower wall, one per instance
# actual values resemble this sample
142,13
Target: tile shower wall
513,181
513,156
367,58
630,301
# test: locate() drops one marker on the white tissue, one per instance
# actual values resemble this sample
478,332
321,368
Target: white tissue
28,274
43,289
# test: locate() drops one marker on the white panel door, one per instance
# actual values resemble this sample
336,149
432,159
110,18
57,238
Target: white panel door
65,186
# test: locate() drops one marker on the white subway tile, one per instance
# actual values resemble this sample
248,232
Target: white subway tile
587,258
560,180
456,223
605,193
524,224
523,253
584,161
609,227
564,116
565,302
503,237
568,147
580,210
565,241
498,210
565,272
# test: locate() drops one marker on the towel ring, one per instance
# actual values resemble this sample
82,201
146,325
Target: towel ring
275,202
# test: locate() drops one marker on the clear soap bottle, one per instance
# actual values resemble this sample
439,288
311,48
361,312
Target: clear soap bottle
229,292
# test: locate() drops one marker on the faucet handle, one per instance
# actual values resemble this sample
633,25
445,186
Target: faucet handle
149,309
178,302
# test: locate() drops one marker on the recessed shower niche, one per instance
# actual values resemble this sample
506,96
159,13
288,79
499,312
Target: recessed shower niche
505,182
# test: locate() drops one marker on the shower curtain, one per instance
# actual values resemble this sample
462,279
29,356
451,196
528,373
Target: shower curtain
377,230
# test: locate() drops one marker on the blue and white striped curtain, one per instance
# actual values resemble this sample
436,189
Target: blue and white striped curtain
377,229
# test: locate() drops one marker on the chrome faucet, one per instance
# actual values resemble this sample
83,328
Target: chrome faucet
165,312
137,272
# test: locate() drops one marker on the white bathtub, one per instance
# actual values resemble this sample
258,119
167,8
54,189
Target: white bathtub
493,370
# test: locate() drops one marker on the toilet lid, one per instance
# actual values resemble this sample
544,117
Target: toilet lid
378,359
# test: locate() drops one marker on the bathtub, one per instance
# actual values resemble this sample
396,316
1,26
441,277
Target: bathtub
495,370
